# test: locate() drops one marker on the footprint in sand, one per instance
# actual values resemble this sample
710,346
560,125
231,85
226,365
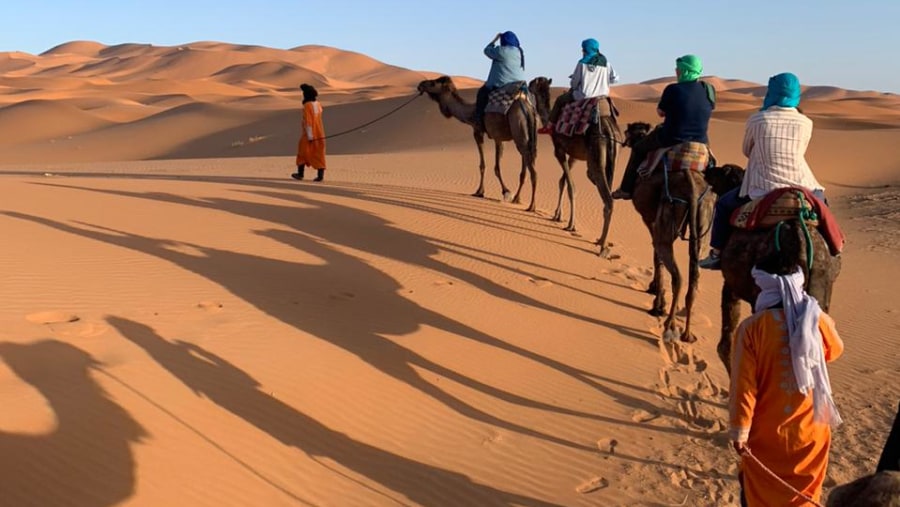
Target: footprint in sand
607,445
210,306
443,282
592,485
51,317
541,282
643,416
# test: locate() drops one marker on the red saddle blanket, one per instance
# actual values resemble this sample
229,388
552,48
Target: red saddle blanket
787,204
577,116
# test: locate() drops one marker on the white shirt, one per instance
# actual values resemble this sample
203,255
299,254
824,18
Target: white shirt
775,144
592,80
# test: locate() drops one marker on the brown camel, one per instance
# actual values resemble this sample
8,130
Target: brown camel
670,202
745,248
597,146
519,125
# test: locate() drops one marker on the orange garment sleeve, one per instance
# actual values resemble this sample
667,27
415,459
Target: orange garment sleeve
831,340
744,382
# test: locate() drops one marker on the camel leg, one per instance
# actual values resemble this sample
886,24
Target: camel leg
667,257
479,141
693,266
557,215
528,163
731,314
498,155
653,288
567,180
602,184
693,281
659,301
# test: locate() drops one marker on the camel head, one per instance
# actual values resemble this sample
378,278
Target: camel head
634,132
439,90
540,88
724,178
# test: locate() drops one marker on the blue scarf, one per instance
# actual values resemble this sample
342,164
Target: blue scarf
784,91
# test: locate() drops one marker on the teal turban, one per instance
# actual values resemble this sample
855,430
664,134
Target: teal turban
784,90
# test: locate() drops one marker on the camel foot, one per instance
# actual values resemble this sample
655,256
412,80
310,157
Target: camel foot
653,288
569,228
478,193
557,217
604,252
656,312
531,209
688,337
670,335
506,197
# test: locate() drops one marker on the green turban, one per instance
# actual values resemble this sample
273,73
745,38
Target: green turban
690,68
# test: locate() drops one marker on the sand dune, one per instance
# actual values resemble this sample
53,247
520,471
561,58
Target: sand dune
183,324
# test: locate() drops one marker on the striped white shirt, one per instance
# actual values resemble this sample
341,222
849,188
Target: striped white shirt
775,144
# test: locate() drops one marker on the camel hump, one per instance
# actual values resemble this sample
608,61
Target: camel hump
790,203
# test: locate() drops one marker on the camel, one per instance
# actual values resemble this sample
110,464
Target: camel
669,202
881,489
745,248
519,125
597,147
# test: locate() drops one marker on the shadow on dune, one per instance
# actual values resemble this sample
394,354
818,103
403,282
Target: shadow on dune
86,460
294,293
214,378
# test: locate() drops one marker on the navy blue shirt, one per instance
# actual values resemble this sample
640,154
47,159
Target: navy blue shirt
688,107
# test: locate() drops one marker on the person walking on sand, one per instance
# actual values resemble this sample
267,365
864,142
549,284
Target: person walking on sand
311,147
781,410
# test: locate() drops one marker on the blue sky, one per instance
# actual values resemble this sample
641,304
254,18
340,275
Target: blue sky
851,44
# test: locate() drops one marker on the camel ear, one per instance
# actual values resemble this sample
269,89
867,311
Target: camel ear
550,81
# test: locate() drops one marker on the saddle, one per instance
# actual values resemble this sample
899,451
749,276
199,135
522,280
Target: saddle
791,203
689,156
500,99
577,116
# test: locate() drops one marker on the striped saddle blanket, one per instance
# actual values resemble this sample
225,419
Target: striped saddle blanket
501,98
690,156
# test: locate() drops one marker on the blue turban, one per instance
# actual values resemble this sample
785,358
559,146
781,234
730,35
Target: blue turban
784,90
591,49
509,39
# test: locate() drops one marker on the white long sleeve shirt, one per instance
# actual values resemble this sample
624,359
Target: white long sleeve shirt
775,143
589,81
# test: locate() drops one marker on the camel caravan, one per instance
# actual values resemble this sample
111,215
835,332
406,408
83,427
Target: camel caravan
768,226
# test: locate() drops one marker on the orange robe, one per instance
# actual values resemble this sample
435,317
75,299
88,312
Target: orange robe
311,147
774,418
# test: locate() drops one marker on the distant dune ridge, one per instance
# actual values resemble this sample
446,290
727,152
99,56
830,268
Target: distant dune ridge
98,96
181,323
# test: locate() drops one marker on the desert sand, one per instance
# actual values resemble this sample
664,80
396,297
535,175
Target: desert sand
183,324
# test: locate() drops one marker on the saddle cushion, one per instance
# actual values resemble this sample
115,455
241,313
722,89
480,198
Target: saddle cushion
690,156
784,204
500,99
577,116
